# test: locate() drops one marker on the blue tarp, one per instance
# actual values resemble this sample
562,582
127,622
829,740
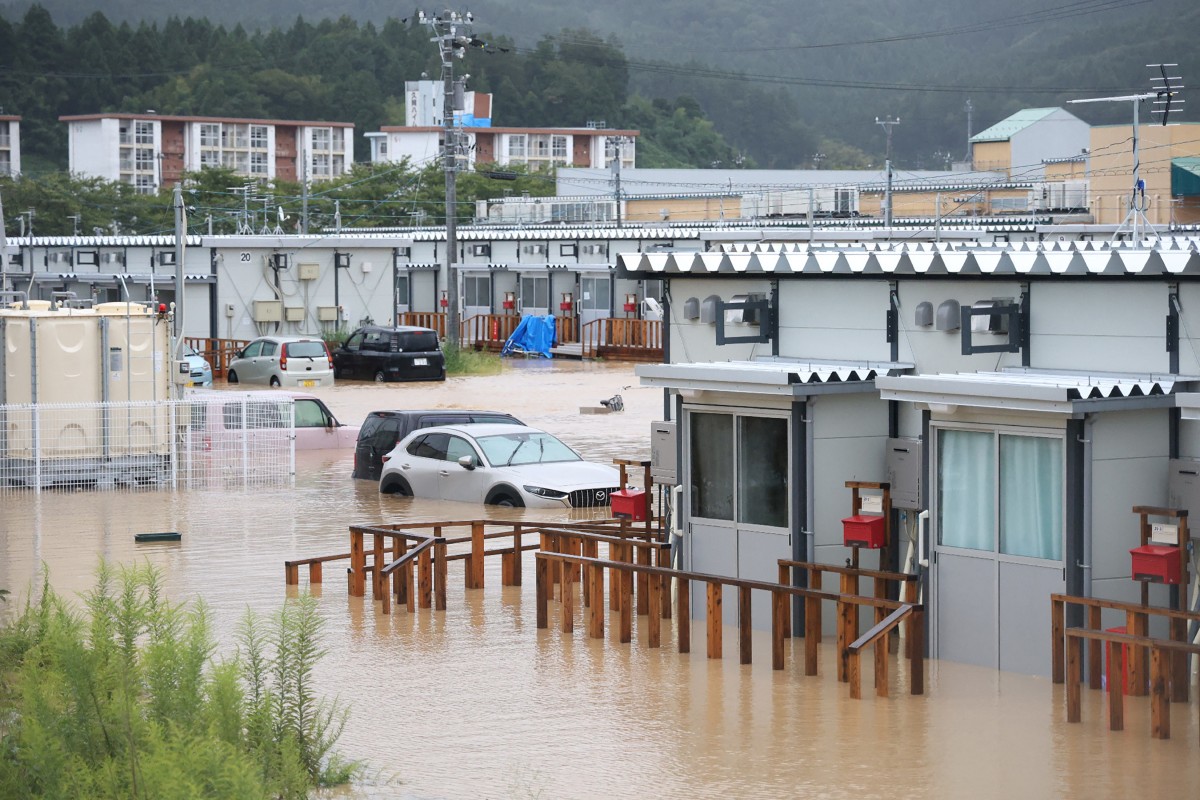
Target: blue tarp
533,335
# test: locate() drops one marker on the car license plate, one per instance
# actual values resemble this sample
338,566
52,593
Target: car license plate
308,384
420,362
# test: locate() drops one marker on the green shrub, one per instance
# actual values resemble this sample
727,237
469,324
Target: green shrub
128,701
467,361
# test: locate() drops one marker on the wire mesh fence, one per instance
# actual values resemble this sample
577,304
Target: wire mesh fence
207,440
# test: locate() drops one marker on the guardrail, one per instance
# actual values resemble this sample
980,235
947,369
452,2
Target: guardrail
627,339
218,352
621,583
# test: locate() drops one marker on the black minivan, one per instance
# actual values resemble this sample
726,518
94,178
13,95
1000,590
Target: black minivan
383,430
391,354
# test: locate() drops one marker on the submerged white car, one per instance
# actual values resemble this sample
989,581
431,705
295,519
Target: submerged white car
504,465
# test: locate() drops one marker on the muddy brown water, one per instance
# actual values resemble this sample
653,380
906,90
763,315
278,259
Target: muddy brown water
476,702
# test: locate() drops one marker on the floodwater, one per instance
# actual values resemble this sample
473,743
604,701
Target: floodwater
476,702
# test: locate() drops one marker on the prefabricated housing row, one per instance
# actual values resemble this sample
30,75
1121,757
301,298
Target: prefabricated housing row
1034,396
240,287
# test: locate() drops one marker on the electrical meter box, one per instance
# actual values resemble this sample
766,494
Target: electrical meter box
902,463
327,313
662,453
268,311
1183,484
308,271
294,313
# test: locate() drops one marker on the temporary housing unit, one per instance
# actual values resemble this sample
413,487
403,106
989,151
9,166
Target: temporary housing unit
1027,398
81,392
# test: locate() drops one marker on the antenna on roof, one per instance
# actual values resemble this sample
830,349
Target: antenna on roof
1165,95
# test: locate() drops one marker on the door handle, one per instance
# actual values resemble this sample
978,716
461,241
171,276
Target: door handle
444,473
405,466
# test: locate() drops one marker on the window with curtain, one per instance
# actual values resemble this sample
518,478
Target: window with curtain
763,471
966,489
1031,497
712,469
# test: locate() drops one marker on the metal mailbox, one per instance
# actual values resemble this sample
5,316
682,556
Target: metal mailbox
631,504
864,531
1156,563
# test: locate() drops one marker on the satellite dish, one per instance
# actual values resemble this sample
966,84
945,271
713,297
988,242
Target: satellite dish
282,216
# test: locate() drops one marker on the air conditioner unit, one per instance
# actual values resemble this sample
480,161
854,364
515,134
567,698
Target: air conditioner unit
990,323
59,258
534,249
165,258
481,250
113,258
595,249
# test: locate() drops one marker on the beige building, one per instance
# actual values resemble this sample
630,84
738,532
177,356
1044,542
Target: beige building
1161,148
1020,145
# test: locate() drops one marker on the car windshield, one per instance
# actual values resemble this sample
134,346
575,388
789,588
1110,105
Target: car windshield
305,349
507,449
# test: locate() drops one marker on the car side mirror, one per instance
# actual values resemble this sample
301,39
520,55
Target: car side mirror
467,462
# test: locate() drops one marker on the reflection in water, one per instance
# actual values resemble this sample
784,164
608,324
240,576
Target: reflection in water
476,702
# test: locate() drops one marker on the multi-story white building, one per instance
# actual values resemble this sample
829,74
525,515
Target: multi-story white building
420,140
10,145
154,150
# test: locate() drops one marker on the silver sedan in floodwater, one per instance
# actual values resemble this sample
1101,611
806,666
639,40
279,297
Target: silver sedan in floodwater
504,465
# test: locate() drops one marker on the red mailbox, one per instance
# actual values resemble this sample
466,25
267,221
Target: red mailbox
1156,563
864,531
632,504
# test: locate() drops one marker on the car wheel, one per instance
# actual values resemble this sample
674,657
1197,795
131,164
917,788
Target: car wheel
380,377
505,500
232,377
275,382
397,487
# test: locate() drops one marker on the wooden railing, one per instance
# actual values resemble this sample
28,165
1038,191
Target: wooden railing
621,572
1155,665
435,320
488,331
218,352
628,339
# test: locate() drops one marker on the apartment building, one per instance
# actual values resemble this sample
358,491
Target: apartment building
420,139
1020,144
154,150
10,145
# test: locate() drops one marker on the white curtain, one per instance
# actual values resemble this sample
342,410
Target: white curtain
1031,497
966,489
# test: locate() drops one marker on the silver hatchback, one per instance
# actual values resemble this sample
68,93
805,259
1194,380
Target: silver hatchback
294,361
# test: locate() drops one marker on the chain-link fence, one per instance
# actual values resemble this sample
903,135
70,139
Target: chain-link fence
207,440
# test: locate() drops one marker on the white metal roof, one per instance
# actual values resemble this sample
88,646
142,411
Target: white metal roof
1024,389
777,376
1175,256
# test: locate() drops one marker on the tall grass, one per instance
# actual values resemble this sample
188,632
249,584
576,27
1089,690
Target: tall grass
467,361
126,699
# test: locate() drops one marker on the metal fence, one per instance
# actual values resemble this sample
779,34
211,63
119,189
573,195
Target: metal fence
210,439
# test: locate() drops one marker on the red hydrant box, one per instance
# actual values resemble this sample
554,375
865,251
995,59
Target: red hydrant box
1156,563
633,504
863,531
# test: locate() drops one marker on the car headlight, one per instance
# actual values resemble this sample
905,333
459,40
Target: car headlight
542,491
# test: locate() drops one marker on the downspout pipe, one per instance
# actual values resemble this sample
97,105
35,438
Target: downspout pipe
1085,566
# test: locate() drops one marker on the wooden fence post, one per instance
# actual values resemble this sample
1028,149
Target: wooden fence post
812,634
917,666
377,564
780,606
785,579
477,545
1116,692
596,609
314,576
1095,646
714,620
745,644
568,598
625,581
852,674
400,586
1074,657
518,554
539,576
643,581
1058,629
654,615
291,574
1180,662
439,576
357,563
425,579
683,613
1160,701
815,578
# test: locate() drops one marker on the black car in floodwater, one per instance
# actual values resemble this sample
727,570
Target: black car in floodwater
383,354
382,430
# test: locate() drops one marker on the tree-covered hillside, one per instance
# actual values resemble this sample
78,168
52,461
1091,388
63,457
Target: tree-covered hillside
776,77
333,70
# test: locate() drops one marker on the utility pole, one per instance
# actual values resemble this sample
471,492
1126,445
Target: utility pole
452,34
970,159
304,193
817,159
3,249
74,223
616,172
180,234
888,124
